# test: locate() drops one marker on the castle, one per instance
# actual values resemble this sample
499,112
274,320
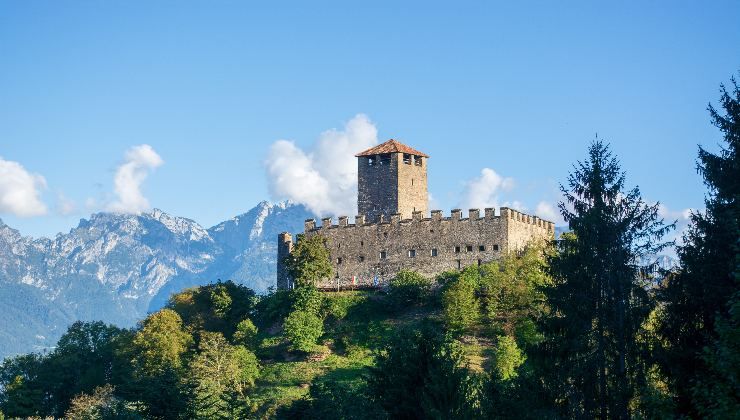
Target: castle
392,233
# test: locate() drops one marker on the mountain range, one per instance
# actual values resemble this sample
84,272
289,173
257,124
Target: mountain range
118,267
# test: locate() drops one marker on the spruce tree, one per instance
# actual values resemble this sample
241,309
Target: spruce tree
699,294
600,297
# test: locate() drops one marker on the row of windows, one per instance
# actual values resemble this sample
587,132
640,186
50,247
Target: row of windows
385,159
432,252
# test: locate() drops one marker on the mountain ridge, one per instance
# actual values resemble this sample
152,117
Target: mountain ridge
118,267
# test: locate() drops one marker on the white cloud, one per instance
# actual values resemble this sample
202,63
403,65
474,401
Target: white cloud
682,219
547,211
323,178
484,190
140,161
65,206
91,204
20,190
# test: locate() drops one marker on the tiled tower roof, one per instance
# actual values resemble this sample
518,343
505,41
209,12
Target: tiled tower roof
391,146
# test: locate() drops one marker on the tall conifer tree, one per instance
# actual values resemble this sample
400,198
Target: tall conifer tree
698,296
600,297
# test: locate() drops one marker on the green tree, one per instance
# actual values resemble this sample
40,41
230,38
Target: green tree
599,299
81,362
246,334
508,358
697,298
158,360
335,400
101,404
23,391
44,385
408,288
460,304
422,374
511,292
307,298
215,307
310,261
302,328
219,377
717,393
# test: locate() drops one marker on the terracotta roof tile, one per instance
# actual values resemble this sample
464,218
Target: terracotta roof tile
391,146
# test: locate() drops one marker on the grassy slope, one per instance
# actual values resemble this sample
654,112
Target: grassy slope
348,347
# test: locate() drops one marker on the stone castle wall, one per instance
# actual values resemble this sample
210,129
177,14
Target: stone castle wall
381,249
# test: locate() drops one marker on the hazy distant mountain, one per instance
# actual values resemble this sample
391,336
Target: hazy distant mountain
117,267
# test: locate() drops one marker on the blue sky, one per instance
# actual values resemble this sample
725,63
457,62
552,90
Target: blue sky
519,88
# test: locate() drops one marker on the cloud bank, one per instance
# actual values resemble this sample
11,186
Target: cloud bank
20,190
130,175
323,178
485,190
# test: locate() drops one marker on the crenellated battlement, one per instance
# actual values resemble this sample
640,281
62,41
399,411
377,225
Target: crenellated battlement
474,215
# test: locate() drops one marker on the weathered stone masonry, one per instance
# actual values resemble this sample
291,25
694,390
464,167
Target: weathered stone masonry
367,252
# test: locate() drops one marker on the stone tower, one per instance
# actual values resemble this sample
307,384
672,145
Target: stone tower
392,178
285,247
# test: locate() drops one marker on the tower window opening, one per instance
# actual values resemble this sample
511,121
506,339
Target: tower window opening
495,247
480,262
412,253
362,243
469,248
457,250
407,159
459,264
412,182
362,258
417,160
371,161
482,248
385,159
339,260
383,255
434,252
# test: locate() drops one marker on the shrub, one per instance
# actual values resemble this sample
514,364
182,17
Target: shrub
307,298
408,288
302,329
460,305
245,334
508,358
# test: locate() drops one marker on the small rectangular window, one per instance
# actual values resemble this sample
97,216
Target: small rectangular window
434,252
339,260
495,247
459,264
407,158
362,258
469,248
362,243
480,262
457,250
383,255
417,160
412,253
371,161
482,248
